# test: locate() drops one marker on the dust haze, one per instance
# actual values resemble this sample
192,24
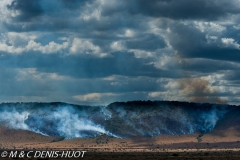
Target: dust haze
199,90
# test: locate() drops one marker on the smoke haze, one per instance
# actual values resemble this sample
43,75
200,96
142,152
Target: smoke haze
199,90
119,119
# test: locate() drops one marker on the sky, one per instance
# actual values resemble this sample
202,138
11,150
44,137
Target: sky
100,51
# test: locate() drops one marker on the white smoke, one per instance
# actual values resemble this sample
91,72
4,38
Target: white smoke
61,121
14,119
210,119
70,124
77,122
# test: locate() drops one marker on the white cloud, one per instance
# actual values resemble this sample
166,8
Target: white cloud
4,11
94,97
172,84
96,14
154,94
34,75
51,47
209,27
128,33
10,49
117,46
230,43
16,43
211,39
80,46
165,62
15,38
142,53
88,97
165,95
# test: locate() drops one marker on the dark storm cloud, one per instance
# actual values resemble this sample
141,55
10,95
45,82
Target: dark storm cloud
207,65
45,15
32,10
180,9
68,16
233,76
63,14
188,9
190,42
104,28
217,53
28,9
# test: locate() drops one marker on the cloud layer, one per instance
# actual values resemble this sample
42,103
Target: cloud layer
100,51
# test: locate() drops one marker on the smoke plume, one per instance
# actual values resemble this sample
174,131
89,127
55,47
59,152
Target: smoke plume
199,90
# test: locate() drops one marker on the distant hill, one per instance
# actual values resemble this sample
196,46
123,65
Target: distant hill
120,119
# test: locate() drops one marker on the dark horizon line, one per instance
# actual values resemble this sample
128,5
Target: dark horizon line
118,102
